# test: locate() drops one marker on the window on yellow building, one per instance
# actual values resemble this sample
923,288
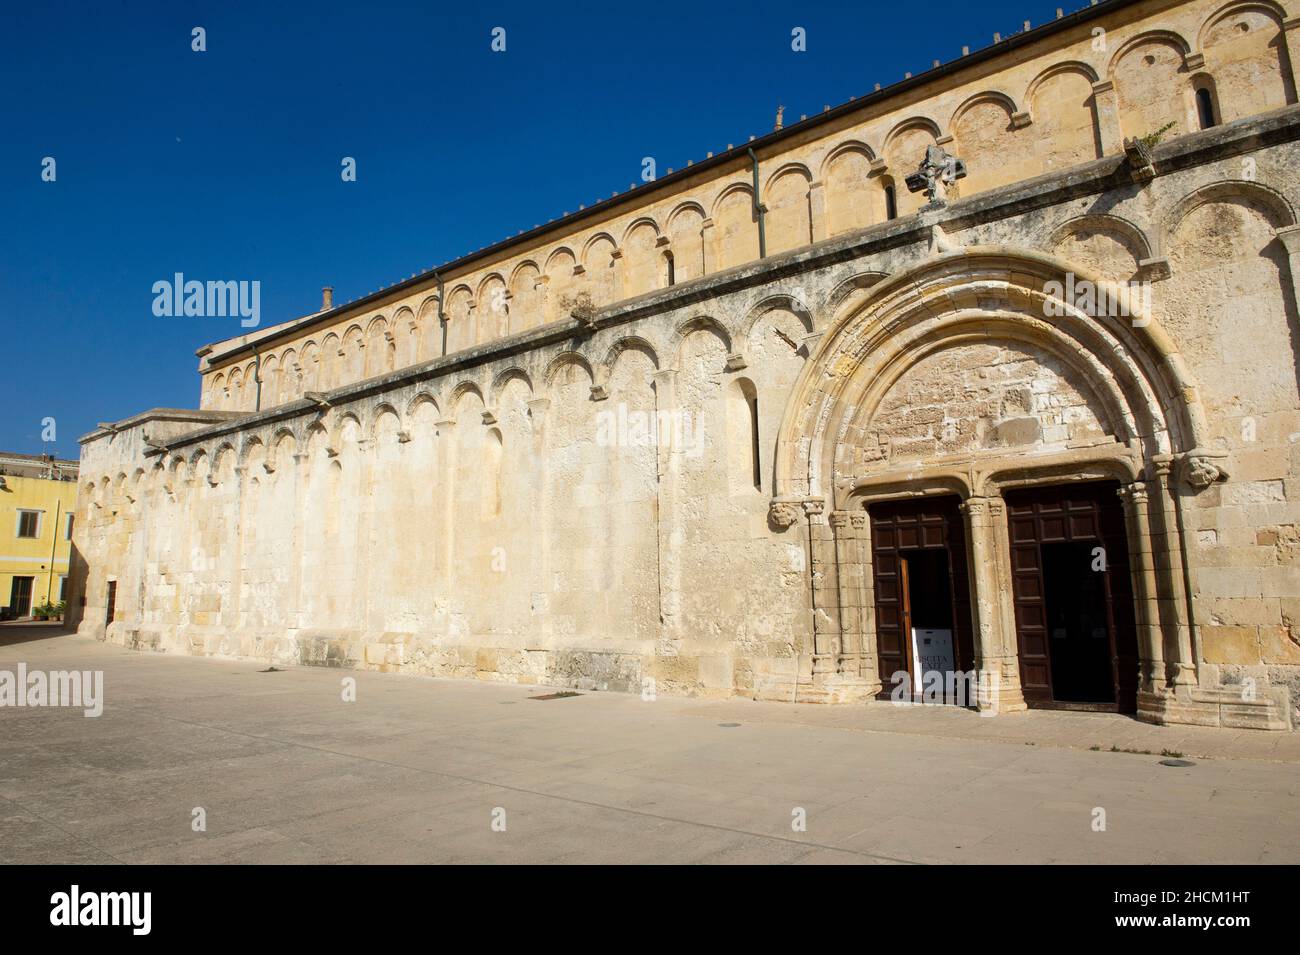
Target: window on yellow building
29,523
67,533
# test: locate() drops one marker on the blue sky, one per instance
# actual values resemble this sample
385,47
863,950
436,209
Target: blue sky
225,164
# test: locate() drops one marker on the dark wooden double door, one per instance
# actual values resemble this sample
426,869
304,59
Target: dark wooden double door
1071,587
1073,592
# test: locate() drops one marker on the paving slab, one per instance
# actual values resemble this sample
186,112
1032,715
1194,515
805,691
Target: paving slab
426,770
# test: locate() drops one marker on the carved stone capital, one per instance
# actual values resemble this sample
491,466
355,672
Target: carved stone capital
1133,494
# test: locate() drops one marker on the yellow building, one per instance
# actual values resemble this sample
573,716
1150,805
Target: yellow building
38,496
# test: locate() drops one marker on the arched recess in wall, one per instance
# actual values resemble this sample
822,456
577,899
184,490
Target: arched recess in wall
461,333
1151,85
272,381
290,377
789,215
686,241
1064,111
1246,58
527,301
851,201
493,309
375,356
1106,244
354,355
744,456
311,371
904,151
235,386
641,258
985,139
331,362
403,343
1141,396
735,231
428,331
560,282
600,271
1230,297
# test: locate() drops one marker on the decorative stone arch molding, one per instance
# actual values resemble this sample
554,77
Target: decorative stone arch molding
1149,438
1148,265
1277,207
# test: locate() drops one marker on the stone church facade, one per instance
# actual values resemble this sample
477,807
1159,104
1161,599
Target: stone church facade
763,426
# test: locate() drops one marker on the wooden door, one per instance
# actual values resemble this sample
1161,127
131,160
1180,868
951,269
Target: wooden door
900,529
1068,546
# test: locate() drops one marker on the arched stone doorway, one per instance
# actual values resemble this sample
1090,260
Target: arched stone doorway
969,376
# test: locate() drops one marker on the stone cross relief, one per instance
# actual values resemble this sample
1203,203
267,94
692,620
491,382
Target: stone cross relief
937,171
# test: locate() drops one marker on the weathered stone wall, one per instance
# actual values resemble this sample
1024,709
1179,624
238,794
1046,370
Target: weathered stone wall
1067,98
579,505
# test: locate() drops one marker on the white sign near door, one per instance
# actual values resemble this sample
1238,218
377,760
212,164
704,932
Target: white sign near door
932,650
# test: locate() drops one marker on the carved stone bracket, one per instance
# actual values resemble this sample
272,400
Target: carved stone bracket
784,512
1202,467
1141,164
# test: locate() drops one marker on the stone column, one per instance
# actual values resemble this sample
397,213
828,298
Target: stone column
817,209
540,536
1167,557
669,535
995,656
1151,666
825,590
869,665
854,662
447,440
301,477
847,595
1106,106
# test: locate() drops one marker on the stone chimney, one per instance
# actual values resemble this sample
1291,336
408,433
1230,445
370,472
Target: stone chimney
327,298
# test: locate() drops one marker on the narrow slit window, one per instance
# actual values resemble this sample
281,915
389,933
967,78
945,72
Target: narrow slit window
753,442
891,203
1205,108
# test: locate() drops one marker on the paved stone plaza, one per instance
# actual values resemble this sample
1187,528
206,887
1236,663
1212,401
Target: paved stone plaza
414,769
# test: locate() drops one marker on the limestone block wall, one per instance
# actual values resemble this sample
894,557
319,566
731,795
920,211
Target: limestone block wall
1066,98
582,505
